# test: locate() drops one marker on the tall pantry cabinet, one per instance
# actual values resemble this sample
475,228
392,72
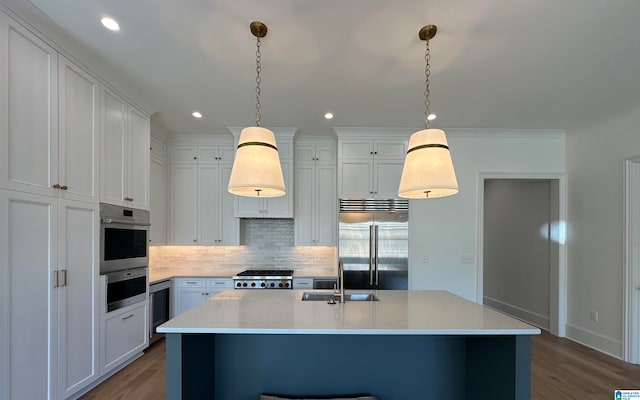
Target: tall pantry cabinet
49,220
50,112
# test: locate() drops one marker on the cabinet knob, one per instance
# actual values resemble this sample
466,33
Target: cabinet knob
375,152
64,187
195,240
195,158
371,152
56,186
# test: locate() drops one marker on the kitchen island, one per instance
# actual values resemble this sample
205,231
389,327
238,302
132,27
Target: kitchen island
407,345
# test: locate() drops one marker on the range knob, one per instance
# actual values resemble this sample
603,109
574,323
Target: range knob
280,284
238,284
253,284
244,284
263,284
286,284
273,284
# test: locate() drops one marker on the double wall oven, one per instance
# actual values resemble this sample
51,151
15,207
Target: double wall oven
124,255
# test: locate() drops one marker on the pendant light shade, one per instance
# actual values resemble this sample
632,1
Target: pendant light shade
256,168
428,170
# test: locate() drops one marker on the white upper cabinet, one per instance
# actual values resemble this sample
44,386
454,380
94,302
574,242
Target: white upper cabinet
49,130
369,168
201,208
124,161
158,192
315,189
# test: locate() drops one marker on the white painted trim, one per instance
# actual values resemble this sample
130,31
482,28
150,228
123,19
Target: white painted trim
631,278
596,341
558,306
539,320
535,134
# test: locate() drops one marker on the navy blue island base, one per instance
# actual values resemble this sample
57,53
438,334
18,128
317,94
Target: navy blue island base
225,366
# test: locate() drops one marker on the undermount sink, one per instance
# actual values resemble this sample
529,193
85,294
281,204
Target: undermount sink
329,296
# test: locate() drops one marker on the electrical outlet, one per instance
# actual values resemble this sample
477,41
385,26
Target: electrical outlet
466,259
594,316
425,259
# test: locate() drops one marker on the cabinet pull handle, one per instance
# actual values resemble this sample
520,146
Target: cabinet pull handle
56,282
127,317
64,277
56,186
64,187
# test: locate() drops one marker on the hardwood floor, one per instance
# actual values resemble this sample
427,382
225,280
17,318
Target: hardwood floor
560,369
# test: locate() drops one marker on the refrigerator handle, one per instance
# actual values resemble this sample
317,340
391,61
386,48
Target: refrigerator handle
375,255
372,248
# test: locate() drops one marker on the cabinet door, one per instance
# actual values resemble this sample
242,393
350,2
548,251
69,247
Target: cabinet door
326,154
189,298
208,155
138,160
226,152
28,111
124,333
356,148
158,203
305,154
28,311
250,207
78,135
387,178
184,204
390,149
157,150
229,224
356,179
112,155
304,222
78,298
183,154
208,205
325,205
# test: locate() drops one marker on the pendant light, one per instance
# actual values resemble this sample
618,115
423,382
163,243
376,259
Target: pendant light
428,169
256,170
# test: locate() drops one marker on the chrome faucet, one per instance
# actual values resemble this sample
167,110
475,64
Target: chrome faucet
340,292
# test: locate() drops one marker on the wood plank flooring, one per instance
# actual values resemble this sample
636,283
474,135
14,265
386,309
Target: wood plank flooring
560,369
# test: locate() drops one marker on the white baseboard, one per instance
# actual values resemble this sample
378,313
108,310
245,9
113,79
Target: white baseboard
539,320
596,341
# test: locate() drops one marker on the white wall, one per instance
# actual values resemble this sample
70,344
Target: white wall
595,180
447,227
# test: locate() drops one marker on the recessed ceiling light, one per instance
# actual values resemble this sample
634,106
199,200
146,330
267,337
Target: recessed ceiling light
110,24
431,117
328,115
196,114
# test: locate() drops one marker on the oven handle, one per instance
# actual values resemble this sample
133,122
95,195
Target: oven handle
106,221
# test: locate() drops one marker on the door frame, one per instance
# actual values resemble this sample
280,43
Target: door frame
631,278
558,273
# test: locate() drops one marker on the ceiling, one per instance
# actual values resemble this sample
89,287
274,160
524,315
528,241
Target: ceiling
547,64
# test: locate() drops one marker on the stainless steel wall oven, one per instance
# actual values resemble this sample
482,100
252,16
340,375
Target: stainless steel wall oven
124,238
124,288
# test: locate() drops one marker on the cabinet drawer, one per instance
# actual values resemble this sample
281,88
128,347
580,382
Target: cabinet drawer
190,283
124,334
220,283
303,283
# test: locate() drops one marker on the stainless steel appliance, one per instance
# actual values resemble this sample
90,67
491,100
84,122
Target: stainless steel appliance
373,243
124,288
264,279
124,236
159,307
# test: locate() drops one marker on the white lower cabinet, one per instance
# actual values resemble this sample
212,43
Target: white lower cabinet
49,252
303,283
123,334
190,292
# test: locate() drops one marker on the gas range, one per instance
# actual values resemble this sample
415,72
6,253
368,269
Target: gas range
264,279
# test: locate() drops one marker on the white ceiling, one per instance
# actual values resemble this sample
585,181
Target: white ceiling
559,64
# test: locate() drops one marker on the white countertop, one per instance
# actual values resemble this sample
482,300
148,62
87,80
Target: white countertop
398,312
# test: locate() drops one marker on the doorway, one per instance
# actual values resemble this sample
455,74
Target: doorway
521,250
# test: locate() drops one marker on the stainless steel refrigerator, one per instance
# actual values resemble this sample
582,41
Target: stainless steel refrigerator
373,243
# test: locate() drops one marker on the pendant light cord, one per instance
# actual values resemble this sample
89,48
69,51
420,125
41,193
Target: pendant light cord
427,73
258,80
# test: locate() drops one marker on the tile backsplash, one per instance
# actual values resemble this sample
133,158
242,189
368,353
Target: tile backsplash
265,243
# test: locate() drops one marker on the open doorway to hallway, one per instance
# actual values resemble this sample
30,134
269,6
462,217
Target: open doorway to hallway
522,239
